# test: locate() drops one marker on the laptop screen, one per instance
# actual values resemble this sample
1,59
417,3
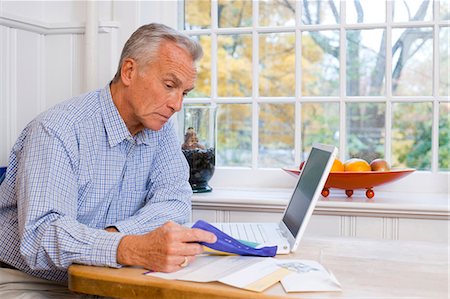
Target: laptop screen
305,189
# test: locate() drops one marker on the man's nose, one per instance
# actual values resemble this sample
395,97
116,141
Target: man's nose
176,103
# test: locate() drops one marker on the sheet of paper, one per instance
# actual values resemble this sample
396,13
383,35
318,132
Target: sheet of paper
210,268
257,277
245,272
257,273
307,276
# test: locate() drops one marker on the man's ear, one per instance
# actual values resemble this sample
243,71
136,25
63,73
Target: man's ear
128,70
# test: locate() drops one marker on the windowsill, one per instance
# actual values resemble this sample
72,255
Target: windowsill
389,204
242,178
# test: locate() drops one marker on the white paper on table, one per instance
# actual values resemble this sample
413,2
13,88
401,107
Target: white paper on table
251,273
210,268
307,276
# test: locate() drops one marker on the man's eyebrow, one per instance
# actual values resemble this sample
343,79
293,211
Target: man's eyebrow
177,81
174,79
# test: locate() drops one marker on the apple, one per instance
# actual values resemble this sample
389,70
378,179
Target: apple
379,165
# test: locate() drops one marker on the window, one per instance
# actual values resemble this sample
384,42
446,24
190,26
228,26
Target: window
371,77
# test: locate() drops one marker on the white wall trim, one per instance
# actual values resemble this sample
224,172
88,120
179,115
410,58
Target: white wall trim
45,28
41,70
91,46
385,204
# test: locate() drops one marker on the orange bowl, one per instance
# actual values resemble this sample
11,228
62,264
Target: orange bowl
349,180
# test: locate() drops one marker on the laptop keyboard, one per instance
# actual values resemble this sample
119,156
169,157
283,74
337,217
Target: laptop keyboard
252,232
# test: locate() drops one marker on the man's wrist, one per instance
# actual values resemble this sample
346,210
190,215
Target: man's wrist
124,256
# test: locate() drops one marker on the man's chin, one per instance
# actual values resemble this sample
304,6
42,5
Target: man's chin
156,126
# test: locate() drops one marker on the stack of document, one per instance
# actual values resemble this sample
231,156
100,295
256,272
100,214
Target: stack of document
257,273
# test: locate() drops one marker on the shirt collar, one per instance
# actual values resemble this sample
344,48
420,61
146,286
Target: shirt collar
115,127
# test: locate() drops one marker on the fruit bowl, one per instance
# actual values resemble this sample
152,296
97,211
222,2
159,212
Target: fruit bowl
351,180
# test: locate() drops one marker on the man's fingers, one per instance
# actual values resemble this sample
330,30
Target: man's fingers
186,234
198,235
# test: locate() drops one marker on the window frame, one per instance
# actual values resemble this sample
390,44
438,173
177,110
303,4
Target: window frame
254,177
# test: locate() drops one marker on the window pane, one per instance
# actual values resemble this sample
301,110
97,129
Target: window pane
277,64
234,65
412,10
411,135
277,13
197,14
412,61
444,136
366,62
234,135
320,124
366,11
445,9
203,82
365,130
320,63
276,135
320,12
444,83
235,13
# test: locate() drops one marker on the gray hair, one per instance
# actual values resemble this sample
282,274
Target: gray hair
144,43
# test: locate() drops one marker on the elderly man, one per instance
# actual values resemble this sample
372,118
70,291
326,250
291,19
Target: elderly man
100,179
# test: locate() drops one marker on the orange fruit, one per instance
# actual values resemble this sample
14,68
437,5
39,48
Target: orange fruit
337,166
356,164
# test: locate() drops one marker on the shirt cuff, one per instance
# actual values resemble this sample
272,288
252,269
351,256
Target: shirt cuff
104,249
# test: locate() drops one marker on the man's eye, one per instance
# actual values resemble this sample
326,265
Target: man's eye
185,94
169,86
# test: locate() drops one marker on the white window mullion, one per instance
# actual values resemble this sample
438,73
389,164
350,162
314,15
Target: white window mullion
435,138
342,83
255,85
214,77
436,71
298,84
388,75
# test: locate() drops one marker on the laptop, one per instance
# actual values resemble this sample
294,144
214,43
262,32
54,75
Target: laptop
287,233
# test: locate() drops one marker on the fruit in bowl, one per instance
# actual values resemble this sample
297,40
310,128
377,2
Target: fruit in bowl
379,165
356,164
337,166
356,173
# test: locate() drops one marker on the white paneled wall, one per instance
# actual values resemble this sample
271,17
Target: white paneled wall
58,70
43,49
41,62
340,225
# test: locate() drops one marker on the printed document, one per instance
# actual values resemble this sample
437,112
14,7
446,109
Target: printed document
307,276
257,273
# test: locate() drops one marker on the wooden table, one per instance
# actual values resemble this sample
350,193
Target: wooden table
365,269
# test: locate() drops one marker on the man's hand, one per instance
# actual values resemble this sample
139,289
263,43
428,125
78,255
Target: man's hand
164,249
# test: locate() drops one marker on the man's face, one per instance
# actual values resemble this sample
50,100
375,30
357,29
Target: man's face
157,89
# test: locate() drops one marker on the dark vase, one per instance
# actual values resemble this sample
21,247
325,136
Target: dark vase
201,168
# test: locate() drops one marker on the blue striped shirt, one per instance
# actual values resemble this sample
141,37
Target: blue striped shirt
75,170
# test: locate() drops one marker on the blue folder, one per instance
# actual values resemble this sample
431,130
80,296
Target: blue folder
228,244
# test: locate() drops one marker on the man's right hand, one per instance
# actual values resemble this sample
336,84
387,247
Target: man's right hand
163,249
